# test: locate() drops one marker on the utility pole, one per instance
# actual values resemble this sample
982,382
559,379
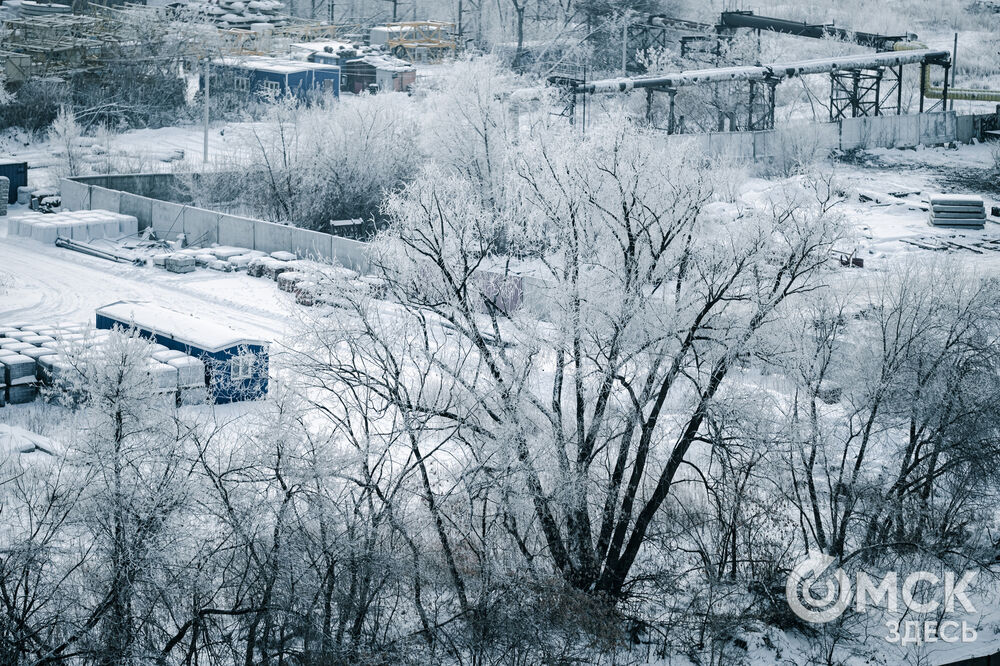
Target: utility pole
207,73
954,66
625,43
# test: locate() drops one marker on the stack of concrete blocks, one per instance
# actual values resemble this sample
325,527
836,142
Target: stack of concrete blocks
49,354
179,263
222,258
948,210
4,194
288,279
17,377
79,225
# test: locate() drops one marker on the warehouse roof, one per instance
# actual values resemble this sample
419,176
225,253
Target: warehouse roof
184,328
273,65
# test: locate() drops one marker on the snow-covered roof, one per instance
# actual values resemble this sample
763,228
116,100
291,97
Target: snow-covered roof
184,328
385,63
321,47
273,65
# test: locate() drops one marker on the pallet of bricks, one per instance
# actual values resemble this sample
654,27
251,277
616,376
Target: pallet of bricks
35,355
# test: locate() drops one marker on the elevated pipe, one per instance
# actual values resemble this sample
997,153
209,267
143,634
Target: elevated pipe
938,92
774,71
814,30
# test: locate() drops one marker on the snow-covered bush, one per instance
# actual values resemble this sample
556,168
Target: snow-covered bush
310,166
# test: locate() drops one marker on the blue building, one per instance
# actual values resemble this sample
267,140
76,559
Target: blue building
237,366
262,75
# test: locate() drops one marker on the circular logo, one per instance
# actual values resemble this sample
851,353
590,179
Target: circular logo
810,576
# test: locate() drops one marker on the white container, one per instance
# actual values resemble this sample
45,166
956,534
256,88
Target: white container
44,232
167,354
190,371
79,230
128,225
164,376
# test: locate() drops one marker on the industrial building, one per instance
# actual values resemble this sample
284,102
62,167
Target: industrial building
236,365
379,72
362,68
263,75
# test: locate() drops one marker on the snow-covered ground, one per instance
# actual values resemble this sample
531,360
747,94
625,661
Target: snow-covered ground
49,283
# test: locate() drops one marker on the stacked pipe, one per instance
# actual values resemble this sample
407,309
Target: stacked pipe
957,211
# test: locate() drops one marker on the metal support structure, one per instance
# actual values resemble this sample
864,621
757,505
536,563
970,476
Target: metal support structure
923,84
671,117
760,105
772,85
856,93
944,91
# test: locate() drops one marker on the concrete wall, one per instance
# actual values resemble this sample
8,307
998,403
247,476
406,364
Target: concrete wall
236,231
141,208
105,199
205,227
75,195
312,244
167,219
270,237
850,133
201,227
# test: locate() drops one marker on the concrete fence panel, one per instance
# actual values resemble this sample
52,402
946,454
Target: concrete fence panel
236,231
312,244
763,144
201,226
936,128
270,237
965,128
104,199
853,133
75,196
141,208
351,254
168,219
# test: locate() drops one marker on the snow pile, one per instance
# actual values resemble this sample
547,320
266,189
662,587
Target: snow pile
18,440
